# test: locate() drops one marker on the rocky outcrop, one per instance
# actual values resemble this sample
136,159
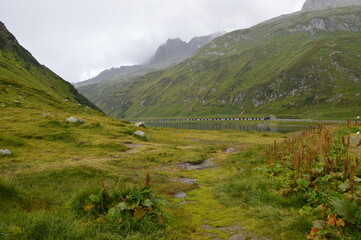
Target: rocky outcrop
347,23
6,38
314,5
177,49
173,48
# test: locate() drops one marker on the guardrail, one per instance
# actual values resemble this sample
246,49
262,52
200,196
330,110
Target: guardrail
201,119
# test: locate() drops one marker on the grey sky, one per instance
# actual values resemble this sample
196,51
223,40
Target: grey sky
79,38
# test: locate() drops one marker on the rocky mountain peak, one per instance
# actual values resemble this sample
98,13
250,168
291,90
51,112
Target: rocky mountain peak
314,5
172,48
176,48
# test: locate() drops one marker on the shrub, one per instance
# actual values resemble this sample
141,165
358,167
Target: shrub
128,211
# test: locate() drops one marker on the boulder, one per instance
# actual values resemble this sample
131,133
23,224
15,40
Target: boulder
5,152
231,150
180,195
139,124
74,120
139,133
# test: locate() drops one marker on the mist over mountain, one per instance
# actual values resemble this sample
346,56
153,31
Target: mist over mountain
306,64
175,50
169,53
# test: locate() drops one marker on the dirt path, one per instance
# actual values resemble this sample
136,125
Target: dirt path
214,220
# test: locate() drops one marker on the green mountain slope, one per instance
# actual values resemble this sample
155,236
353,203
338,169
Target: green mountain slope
305,64
26,83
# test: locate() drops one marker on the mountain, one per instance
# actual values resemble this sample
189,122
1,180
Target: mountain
175,50
168,54
111,73
313,5
25,83
306,64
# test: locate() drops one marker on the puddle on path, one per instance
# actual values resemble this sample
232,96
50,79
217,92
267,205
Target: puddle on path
203,165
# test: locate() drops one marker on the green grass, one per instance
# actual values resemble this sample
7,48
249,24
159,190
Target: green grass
45,176
55,167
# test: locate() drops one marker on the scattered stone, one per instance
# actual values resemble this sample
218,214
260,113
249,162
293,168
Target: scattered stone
185,180
180,195
139,124
238,237
185,147
74,120
3,104
191,166
207,227
5,152
182,203
231,150
47,114
139,133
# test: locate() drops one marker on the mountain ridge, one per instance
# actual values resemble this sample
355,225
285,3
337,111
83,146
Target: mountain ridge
169,53
315,5
268,68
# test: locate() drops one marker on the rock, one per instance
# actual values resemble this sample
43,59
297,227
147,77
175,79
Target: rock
314,5
186,180
203,165
179,49
231,150
207,227
237,237
74,120
139,124
5,152
140,133
180,195
47,114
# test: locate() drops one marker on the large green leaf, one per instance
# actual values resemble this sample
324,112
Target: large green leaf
350,211
94,198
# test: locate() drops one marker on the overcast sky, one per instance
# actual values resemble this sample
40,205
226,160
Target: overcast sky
79,38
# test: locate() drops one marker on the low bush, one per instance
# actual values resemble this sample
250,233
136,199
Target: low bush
126,212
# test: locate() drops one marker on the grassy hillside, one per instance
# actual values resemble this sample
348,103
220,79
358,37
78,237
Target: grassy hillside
305,64
26,83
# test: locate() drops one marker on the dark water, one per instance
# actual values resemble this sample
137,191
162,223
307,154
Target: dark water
227,126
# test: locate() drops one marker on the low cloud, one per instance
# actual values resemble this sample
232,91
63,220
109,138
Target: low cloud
78,39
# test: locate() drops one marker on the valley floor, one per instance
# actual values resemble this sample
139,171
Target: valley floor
214,182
